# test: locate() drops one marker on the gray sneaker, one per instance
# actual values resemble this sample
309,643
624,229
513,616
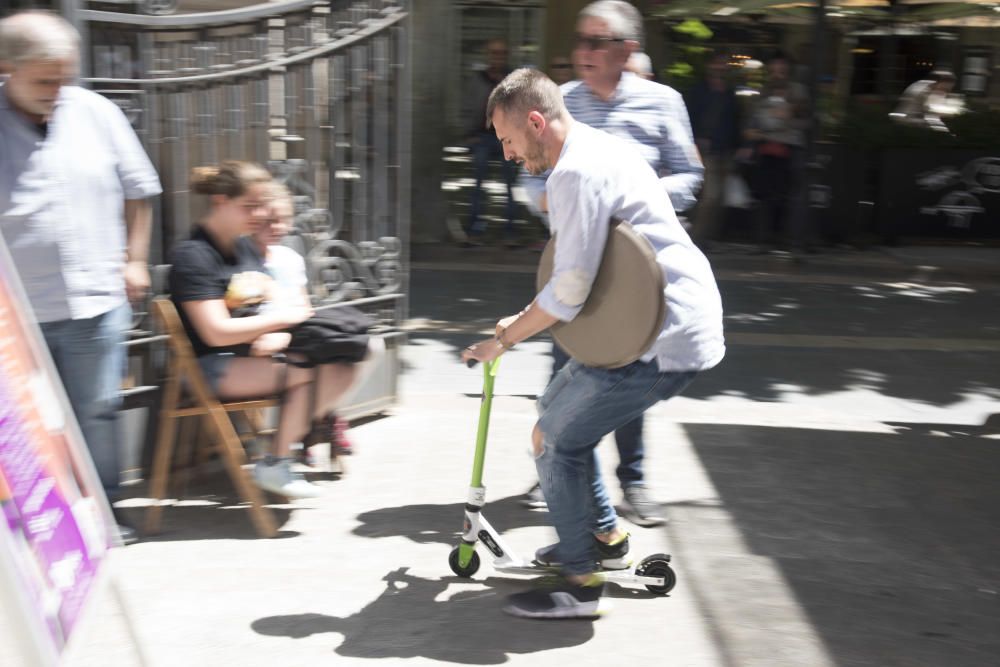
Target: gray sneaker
640,509
560,599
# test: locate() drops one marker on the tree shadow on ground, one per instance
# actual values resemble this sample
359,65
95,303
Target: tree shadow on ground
462,304
989,428
886,541
411,619
776,373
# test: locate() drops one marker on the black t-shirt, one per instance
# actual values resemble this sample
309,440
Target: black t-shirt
200,271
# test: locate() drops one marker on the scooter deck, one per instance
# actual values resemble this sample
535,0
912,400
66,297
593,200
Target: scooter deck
617,576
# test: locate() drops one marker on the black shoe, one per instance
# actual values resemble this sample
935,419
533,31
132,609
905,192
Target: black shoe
559,598
640,509
609,556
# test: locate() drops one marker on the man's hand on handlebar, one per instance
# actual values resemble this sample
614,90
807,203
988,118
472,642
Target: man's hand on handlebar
486,350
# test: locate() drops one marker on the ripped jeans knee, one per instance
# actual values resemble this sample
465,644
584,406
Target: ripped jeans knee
537,441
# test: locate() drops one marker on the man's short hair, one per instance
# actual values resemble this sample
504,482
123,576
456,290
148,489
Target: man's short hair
37,36
523,91
624,20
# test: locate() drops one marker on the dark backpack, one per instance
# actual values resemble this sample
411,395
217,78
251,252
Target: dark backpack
333,335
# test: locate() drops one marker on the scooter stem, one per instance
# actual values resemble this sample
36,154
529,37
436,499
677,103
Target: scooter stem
489,375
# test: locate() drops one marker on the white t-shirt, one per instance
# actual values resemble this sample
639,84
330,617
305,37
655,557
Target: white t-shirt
600,177
288,269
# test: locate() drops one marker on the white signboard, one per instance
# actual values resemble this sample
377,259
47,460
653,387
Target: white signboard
56,528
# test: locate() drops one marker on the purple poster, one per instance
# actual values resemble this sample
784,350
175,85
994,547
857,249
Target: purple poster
57,530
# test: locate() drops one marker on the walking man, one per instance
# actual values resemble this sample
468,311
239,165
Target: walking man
74,211
652,117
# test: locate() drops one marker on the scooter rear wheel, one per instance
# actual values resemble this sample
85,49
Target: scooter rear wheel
657,565
466,571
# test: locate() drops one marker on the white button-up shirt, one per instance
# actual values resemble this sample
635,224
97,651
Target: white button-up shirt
600,177
62,199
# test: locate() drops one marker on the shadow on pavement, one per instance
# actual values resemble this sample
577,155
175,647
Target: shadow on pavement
775,373
228,522
461,303
990,427
887,543
409,620
207,509
442,524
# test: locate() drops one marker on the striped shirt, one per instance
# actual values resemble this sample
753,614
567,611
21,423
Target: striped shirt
648,115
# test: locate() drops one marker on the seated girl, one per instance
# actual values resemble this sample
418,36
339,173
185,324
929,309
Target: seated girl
290,287
218,280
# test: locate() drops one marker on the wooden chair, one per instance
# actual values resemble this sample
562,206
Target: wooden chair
185,380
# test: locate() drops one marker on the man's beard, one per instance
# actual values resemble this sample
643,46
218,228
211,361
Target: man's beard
534,160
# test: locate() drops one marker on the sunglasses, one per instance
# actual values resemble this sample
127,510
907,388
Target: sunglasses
595,42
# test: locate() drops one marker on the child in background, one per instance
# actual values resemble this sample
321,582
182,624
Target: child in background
290,286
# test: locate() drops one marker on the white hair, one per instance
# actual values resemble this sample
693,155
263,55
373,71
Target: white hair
624,20
37,36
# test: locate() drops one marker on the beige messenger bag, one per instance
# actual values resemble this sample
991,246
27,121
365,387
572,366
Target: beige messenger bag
625,310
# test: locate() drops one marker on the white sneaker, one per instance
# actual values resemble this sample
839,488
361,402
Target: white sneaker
276,476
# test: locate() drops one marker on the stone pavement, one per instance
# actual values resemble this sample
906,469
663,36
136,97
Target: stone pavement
831,489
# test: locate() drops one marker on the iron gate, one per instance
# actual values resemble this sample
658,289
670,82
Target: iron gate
317,90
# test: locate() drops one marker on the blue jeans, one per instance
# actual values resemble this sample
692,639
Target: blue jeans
628,437
580,406
90,358
487,148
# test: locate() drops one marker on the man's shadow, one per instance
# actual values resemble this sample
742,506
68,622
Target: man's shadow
411,618
442,524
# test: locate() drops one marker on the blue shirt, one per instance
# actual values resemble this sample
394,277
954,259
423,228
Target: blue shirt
599,177
648,115
62,199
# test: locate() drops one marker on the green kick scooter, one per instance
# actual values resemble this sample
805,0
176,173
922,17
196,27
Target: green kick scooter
653,572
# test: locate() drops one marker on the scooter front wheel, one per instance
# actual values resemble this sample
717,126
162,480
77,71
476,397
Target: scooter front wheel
466,571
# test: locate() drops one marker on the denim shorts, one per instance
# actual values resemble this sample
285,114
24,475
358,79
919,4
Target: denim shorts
214,366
